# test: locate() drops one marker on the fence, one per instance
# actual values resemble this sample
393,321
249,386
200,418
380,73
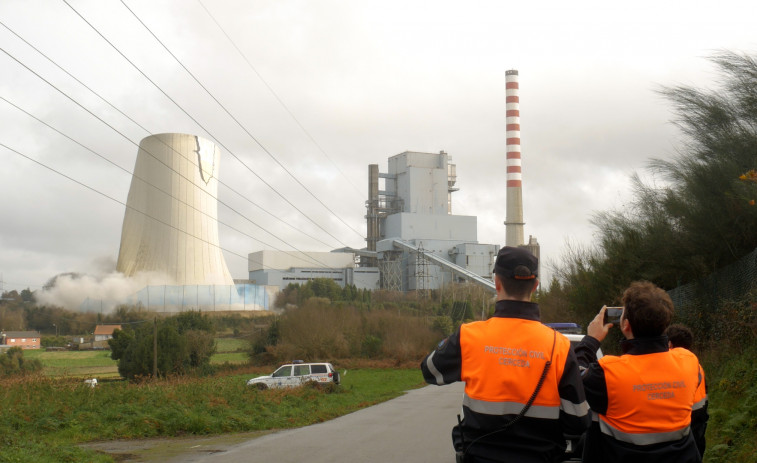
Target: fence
729,283
723,306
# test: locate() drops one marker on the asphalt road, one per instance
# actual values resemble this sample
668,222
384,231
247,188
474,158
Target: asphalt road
412,428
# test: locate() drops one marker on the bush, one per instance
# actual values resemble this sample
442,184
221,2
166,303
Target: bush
13,363
185,342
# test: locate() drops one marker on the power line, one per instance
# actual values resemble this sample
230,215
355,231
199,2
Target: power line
116,200
199,124
152,155
152,185
272,215
239,123
275,95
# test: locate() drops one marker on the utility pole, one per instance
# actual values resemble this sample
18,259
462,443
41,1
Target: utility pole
155,350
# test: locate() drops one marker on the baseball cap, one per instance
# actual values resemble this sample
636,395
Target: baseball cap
516,263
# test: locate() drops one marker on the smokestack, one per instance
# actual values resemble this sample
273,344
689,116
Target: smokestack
514,219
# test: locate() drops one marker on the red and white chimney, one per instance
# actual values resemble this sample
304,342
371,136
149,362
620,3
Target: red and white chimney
514,218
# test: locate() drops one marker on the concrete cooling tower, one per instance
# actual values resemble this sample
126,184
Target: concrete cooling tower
171,220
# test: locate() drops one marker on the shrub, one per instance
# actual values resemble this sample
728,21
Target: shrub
13,363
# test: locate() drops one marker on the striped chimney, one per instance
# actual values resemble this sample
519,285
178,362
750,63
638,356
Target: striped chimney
514,219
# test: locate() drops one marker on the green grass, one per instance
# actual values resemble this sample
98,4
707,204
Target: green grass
236,358
732,384
224,345
97,363
75,363
44,418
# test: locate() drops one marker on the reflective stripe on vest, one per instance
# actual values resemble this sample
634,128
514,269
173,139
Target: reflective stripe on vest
700,398
650,397
535,411
502,360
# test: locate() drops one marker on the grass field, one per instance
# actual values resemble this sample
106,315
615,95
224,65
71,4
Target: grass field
97,363
74,363
224,345
44,419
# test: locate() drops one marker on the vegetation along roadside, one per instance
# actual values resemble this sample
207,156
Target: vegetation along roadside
45,418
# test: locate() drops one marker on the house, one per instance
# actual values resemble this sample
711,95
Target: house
22,339
105,332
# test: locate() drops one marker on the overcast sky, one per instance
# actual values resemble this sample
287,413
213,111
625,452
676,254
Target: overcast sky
366,80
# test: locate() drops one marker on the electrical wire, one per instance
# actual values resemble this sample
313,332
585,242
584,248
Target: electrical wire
118,201
239,123
272,215
199,124
276,96
147,182
155,157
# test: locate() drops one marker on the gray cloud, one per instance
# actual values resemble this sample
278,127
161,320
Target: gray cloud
368,80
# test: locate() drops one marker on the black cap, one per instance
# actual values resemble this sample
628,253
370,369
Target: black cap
516,263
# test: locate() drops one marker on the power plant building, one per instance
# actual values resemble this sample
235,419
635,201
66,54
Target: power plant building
280,268
418,243
414,242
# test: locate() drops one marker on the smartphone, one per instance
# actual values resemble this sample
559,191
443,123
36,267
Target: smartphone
612,315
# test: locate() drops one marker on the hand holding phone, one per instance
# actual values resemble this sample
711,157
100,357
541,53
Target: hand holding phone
612,315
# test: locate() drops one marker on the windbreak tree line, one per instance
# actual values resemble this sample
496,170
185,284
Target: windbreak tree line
388,325
185,343
19,312
296,294
699,213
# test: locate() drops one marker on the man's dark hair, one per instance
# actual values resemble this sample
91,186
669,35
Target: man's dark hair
680,336
518,289
648,308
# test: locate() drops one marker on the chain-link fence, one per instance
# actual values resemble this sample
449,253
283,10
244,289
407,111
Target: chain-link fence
722,306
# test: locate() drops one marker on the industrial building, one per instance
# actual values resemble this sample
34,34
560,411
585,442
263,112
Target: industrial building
417,242
414,241
280,268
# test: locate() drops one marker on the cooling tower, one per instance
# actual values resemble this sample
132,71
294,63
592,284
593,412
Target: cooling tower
171,220
514,213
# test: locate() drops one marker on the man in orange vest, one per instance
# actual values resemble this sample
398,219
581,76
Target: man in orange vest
681,336
641,401
523,387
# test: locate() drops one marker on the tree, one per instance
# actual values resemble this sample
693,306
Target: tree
13,363
696,216
27,295
185,342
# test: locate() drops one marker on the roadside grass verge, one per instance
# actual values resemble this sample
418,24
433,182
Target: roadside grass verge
732,392
44,419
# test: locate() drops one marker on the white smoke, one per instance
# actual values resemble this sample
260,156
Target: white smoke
101,293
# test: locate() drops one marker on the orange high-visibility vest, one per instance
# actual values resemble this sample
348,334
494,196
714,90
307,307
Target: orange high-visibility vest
700,398
502,361
650,396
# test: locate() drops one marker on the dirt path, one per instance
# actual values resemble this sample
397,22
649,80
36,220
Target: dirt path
165,449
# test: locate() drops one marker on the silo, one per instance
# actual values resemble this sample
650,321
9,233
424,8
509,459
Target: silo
171,220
